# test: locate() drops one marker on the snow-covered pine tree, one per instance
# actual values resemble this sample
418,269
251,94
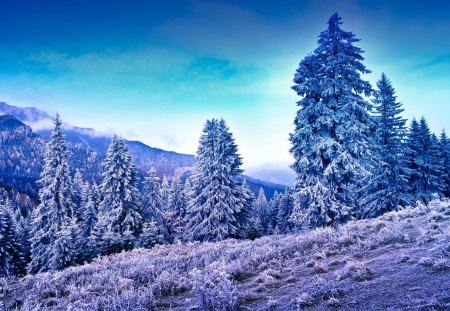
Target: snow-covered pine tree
165,194
150,235
24,239
274,205
79,194
5,258
216,197
330,143
444,154
424,177
152,204
121,202
55,211
178,206
387,188
285,211
89,221
262,208
249,224
11,260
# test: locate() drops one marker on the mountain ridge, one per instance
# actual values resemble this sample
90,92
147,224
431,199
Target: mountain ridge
86,144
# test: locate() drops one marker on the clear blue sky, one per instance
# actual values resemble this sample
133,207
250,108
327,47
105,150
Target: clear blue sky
155,70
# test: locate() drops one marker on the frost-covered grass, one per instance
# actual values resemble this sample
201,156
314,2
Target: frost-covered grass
397,261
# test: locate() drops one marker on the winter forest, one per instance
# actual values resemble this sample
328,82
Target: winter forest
363,173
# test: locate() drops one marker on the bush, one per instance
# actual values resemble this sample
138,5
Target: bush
214,289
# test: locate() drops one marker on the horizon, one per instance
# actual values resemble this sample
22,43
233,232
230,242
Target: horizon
180,66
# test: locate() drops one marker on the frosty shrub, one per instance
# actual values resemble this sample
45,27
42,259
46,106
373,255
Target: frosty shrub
214,289
355,269
303,300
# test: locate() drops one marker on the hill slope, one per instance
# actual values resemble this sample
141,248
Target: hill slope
400,261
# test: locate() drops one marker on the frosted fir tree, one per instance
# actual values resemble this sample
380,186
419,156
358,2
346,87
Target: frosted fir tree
150,235
249,224
330,143
424,178
79,194
178,206
11,261
216,199
444,155
90,211
261,207
65,251
5,257
274,205
152,204
56,209
121,202
285,211
387,188
165,193
24,240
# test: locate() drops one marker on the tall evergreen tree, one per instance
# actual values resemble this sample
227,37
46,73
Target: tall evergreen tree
444,155
24,240
79,194
120,207
11,260
152,203
178,207
5,258
387,188
285,221
274,204
165,193
55,213
216,197
246,217
90,211
330,143
424,178
250,225
262,208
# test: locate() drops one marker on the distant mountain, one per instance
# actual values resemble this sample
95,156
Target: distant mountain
21,165
21,153
165,162
276,174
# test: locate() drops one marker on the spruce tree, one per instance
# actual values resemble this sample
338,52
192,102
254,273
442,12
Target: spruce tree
79,194
424,178
11,260
286,222
178,207
330,143
274,204
216,198
444,154
5,258
90,211
249,225
387,188
165,193
261,207
120,207
152,203
56,210
150,235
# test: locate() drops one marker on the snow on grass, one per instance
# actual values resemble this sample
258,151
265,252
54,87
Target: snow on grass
323,268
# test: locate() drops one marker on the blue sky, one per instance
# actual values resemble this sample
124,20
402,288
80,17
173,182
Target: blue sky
156,70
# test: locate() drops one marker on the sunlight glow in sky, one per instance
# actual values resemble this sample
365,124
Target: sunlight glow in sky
155,72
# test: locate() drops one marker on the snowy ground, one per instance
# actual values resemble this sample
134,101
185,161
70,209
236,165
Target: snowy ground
400,261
